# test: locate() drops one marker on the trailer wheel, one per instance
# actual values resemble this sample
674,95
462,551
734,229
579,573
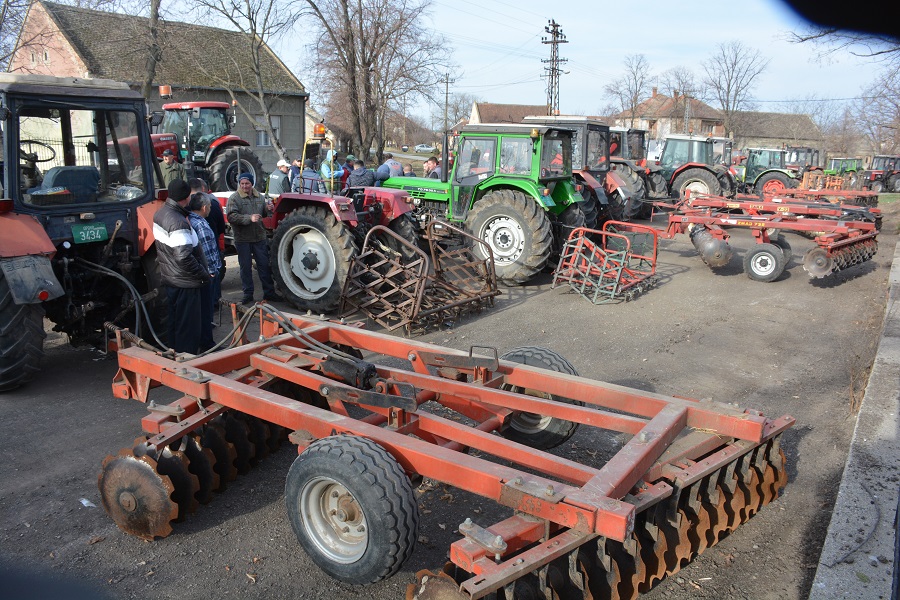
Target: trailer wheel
21,339
517,230
311,254
538,431
772,183
225,169
352,508
699,181
785,248
764,262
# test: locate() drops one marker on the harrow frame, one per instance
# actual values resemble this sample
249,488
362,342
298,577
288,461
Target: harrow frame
684,459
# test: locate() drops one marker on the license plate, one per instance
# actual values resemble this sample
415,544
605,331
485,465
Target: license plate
93,232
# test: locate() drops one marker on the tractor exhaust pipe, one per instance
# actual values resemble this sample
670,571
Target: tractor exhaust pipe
714,252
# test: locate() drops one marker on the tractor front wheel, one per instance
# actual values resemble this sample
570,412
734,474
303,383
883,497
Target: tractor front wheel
698,181
517,230
21,339
352,508
773,183
311,255
229,164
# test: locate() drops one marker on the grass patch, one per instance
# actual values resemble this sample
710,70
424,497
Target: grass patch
888,198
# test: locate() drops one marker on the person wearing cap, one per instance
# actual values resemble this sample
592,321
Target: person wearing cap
294,175
246,210
171,168
182,267
279,180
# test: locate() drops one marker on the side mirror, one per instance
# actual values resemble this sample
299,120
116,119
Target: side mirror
232,120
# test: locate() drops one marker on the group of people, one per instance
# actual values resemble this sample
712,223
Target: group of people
189,231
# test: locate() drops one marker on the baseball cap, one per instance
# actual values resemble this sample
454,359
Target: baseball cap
282,163
351,157
167,152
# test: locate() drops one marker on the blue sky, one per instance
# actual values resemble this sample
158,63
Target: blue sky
497,44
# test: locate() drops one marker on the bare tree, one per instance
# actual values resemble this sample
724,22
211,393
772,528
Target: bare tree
830,41
730,75
878,113
372,55
260,22
632,88
681,80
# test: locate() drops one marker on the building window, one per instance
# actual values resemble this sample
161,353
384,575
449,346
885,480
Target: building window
262,136
33,59
46,57
707,127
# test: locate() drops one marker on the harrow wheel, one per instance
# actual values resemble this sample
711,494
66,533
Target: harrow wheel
538,431
352,508
764,262
136,495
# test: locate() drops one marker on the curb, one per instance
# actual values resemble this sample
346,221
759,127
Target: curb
858,557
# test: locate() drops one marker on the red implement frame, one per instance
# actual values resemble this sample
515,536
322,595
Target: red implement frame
560,503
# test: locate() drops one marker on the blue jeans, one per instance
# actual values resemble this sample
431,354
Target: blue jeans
248,252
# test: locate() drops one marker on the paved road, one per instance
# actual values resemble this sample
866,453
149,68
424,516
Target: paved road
794,346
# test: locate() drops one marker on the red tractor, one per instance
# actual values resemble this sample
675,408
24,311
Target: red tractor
199,133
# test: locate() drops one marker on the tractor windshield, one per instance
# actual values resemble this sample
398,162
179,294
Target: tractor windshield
636,142
79,156
596,149
206,126
721,152
556,155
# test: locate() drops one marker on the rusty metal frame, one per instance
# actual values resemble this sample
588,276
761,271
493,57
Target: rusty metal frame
427,290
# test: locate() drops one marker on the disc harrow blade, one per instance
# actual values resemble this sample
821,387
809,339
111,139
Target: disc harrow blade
238,433
212,436
136,495
175,465
202,465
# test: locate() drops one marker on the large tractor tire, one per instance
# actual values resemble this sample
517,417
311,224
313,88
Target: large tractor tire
876,186
894,184
591,208
538,431
225,169
616,206
773,183
21,339
311,255
518,231
698,181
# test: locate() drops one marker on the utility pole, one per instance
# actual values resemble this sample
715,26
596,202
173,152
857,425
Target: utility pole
553,71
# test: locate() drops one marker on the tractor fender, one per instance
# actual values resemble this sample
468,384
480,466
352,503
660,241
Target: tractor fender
341,206
145,214
25,252
529,188
614,182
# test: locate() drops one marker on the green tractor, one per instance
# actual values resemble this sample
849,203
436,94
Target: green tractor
762,171
511,186
849,168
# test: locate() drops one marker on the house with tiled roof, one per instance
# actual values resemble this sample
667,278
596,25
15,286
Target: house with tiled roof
488,112
661,115
775,130
198,62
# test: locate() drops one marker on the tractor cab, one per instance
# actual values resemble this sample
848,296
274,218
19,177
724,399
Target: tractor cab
802,158
763,171
197,126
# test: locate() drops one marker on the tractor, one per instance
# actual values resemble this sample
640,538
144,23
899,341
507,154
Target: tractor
802,159
698,164
850,169
762,171
511,186
199,133
607,194
628,154
883,174
76,218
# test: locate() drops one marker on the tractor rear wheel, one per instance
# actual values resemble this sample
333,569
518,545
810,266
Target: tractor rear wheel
311,255
352,508
698,181
538,431
21,339
517,230
772,183
876,186
226,168
591,208
894,184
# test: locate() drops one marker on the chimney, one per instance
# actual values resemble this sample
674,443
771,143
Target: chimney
654,93
675,94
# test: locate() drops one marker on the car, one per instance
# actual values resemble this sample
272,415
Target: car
422,148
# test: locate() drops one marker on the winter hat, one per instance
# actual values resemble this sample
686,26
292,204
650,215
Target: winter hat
246,176
309,163
179,190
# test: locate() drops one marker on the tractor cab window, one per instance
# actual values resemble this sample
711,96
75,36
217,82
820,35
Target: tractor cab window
636,145
702,152
674,154
596,150
212,124
721,152
79,156
556,155
476,158
515,155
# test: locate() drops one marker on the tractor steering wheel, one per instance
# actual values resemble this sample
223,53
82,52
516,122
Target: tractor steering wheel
33,156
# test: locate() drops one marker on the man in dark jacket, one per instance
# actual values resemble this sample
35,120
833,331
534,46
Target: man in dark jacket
246,211
182,267
280,179
361,176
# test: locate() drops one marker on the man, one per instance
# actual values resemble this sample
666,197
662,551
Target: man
246,210
432,168
389,168
171,168
216,221
309,181
182,267
199,208
296,167
361,176
279,180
